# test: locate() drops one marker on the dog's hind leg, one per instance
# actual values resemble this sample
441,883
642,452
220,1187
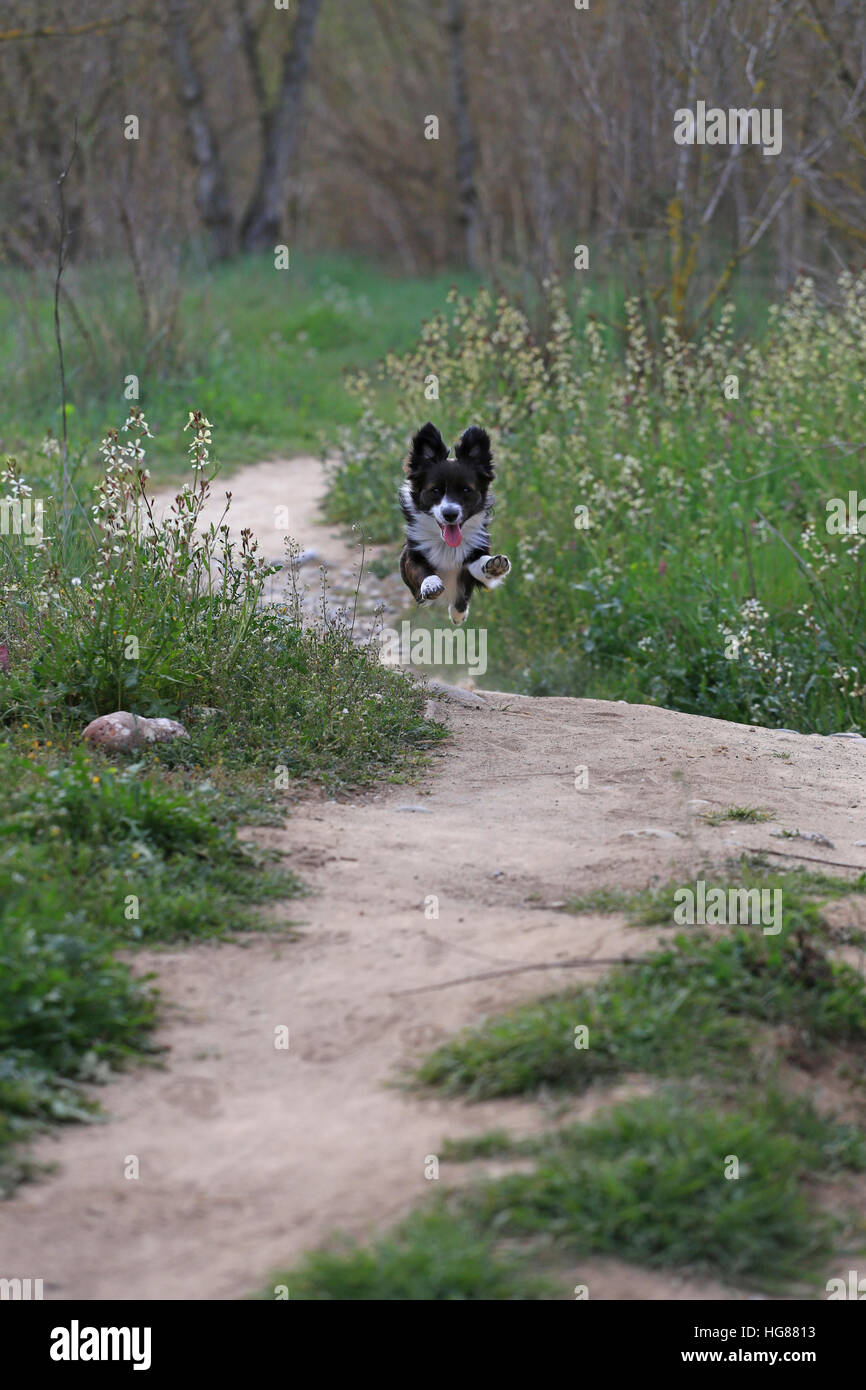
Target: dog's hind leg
460,607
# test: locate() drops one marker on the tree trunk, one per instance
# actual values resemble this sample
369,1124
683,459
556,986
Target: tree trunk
467,191
263,222
211,187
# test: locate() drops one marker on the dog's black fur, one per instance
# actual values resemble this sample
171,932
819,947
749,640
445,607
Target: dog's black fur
447,504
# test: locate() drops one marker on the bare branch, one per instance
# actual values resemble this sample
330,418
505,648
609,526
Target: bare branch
62,254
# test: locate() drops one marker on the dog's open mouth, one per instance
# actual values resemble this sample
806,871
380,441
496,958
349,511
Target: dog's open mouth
451,534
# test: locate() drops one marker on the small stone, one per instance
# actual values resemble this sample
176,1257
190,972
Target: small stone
124,730
456,694
815,836
652,830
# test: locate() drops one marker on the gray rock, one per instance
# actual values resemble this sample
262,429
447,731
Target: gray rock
654,831
125,730
456,694
815,836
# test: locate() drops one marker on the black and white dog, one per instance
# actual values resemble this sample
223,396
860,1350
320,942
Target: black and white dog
447,505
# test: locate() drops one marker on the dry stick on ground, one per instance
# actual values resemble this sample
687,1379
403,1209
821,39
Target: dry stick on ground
574,962
810,858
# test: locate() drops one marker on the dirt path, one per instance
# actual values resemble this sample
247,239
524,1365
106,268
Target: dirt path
249,1155
283,497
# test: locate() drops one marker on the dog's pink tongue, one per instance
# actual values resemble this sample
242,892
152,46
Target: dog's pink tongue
452,535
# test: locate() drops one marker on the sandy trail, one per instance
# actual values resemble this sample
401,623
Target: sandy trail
283,498
249,1155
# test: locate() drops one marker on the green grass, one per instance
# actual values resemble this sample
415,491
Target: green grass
79,836
749,815
654,906
431,1256
263,351
644,907
493,1144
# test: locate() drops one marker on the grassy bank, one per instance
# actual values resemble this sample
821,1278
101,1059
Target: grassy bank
666,512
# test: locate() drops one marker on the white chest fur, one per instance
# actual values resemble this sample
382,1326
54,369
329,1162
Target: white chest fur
424,533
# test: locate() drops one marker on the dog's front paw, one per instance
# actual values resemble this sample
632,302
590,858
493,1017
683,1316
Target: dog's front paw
430,587
497,566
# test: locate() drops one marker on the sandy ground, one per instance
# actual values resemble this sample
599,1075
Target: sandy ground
249,1154
282,498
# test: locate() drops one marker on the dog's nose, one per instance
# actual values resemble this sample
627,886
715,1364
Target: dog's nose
450,513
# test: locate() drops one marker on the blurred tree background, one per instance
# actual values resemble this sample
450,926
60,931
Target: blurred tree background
309,124
388,146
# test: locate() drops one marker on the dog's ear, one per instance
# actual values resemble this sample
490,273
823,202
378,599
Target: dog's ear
428,447
474,448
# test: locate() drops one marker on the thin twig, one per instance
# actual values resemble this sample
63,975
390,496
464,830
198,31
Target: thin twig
358,585
810,858
748,554
47,31
62,249
786,543
574,962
